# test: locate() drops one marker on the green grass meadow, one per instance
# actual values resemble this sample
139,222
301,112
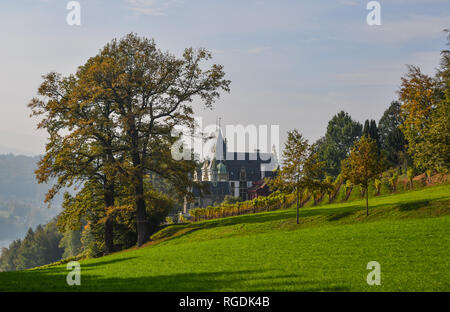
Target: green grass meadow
407,233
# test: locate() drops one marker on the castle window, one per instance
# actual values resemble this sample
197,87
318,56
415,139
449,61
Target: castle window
243,175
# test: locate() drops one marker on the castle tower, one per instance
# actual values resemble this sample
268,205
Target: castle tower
220,147
222,174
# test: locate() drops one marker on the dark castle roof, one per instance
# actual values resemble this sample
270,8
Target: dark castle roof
221,188
251,162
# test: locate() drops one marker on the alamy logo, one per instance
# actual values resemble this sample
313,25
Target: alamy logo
374,276
374,16
200,143
74,16
74,276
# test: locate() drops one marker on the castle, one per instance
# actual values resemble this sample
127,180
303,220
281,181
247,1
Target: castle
239,174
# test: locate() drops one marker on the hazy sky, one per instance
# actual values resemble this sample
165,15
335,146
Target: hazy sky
292,63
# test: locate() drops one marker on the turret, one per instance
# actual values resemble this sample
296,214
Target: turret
222,174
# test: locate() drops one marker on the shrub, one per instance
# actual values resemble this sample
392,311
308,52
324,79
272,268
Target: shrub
428,175
393,181
229,199
377,183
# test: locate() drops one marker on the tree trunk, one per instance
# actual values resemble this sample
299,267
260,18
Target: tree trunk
405,164
141,215
367,200
138,183
298,208
109,202
109,234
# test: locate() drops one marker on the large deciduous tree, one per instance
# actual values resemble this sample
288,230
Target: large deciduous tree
426,110
82,141
418,94
112,122
151,92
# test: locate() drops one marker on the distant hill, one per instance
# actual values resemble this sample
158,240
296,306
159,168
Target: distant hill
22,198
17,179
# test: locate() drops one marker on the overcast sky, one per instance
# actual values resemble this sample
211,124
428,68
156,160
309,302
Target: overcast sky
292,63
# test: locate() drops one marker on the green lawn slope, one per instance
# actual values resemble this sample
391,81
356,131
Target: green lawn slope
407,233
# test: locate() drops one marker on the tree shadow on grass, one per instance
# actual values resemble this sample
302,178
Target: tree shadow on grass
338,216
413,205
177,231
57,269
106,262
238,280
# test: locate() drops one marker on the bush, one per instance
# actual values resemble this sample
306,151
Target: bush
377,183
181,218
158,207
393,181
229,199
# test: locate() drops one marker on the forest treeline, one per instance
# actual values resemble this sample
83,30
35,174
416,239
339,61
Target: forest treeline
40,246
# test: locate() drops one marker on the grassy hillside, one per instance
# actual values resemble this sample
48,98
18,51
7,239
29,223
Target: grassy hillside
406,233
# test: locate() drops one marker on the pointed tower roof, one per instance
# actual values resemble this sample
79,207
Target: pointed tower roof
219,148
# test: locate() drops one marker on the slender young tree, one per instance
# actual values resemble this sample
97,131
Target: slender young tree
300,170
363,165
